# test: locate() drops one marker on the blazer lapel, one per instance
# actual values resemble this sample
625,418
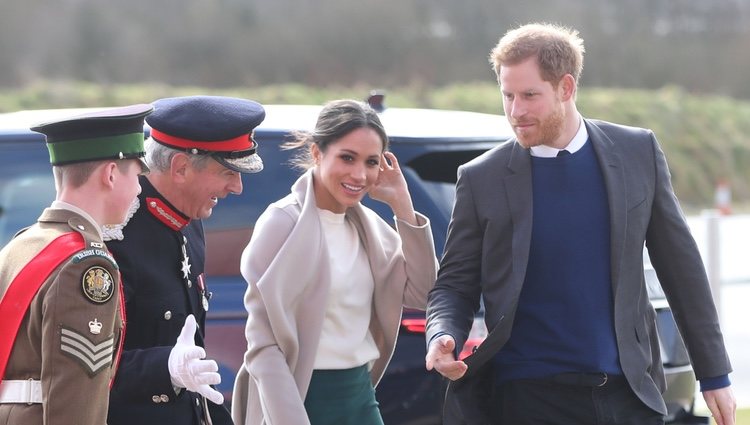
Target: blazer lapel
614,179
519,192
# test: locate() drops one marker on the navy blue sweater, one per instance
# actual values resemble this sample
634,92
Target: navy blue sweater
564,321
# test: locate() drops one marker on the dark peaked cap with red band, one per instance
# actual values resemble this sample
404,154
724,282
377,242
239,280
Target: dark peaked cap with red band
112,133
216,125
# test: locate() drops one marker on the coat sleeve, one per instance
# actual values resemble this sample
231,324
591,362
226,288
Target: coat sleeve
77,358
419,259
266,363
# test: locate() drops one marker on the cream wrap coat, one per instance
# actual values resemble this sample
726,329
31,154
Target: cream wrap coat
286,267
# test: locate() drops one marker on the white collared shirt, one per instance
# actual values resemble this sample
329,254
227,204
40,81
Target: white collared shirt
575,144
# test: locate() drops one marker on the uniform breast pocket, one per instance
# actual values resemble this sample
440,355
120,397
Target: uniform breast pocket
164,320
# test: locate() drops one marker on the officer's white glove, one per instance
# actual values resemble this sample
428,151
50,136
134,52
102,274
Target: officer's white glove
187,367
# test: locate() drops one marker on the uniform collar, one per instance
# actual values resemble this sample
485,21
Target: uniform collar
160,208
62,205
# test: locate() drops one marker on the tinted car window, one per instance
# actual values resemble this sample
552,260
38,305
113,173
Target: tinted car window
26,185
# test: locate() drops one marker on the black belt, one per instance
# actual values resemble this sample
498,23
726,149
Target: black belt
595,379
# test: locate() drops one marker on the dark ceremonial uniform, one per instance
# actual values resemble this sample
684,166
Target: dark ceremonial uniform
65,351
161,255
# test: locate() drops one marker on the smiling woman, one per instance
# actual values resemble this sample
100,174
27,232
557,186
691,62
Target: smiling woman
347,169
358,275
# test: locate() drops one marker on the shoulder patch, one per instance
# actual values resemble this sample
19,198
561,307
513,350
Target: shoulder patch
97,284
113,232
92,357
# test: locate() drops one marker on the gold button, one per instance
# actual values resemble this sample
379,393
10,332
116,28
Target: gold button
167,315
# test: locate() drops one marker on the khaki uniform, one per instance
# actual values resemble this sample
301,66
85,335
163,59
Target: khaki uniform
70,335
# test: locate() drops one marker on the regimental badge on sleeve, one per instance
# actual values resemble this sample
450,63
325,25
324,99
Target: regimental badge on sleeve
97,284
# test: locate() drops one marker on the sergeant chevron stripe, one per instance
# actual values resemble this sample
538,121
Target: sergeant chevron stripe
93,357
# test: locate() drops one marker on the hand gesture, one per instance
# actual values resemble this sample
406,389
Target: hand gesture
441,357
187,367
391,188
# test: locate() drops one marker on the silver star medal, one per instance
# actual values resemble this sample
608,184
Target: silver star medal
185,262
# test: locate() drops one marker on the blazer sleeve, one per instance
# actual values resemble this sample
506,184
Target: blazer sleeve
677,261
454,300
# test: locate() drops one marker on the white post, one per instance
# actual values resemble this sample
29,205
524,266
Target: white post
713,254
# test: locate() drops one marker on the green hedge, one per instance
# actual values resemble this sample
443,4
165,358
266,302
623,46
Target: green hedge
705,137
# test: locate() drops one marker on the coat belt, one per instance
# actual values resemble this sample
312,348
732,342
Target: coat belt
26,391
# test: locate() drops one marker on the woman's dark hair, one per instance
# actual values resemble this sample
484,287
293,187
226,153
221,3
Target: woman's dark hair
337,119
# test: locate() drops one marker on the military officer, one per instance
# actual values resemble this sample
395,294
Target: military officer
60,300
197,150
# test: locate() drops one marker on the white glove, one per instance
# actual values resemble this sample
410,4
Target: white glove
187,367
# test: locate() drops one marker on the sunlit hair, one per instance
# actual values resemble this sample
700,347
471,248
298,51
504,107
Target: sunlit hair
558,50
337,119
159,157
76,175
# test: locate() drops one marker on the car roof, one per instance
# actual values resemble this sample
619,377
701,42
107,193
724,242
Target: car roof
403,125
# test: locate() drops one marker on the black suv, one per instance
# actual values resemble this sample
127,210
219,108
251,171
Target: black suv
430,145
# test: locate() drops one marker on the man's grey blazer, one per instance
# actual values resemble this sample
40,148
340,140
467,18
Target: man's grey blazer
488,243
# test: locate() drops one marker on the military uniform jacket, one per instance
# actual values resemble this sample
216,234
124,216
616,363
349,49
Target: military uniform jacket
162,286
70,334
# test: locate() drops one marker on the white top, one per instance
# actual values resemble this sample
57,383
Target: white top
345,341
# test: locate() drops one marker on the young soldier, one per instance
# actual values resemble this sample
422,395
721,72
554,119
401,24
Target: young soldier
60,297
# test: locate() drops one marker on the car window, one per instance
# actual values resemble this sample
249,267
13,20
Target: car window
26,187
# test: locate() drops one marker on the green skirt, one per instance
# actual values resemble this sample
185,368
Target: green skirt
342,397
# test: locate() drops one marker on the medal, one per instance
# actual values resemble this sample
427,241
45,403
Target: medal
185,265
205,296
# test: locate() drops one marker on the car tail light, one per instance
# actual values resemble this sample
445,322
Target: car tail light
414,325
477,334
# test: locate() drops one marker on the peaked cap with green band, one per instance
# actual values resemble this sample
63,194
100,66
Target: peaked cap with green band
113,133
